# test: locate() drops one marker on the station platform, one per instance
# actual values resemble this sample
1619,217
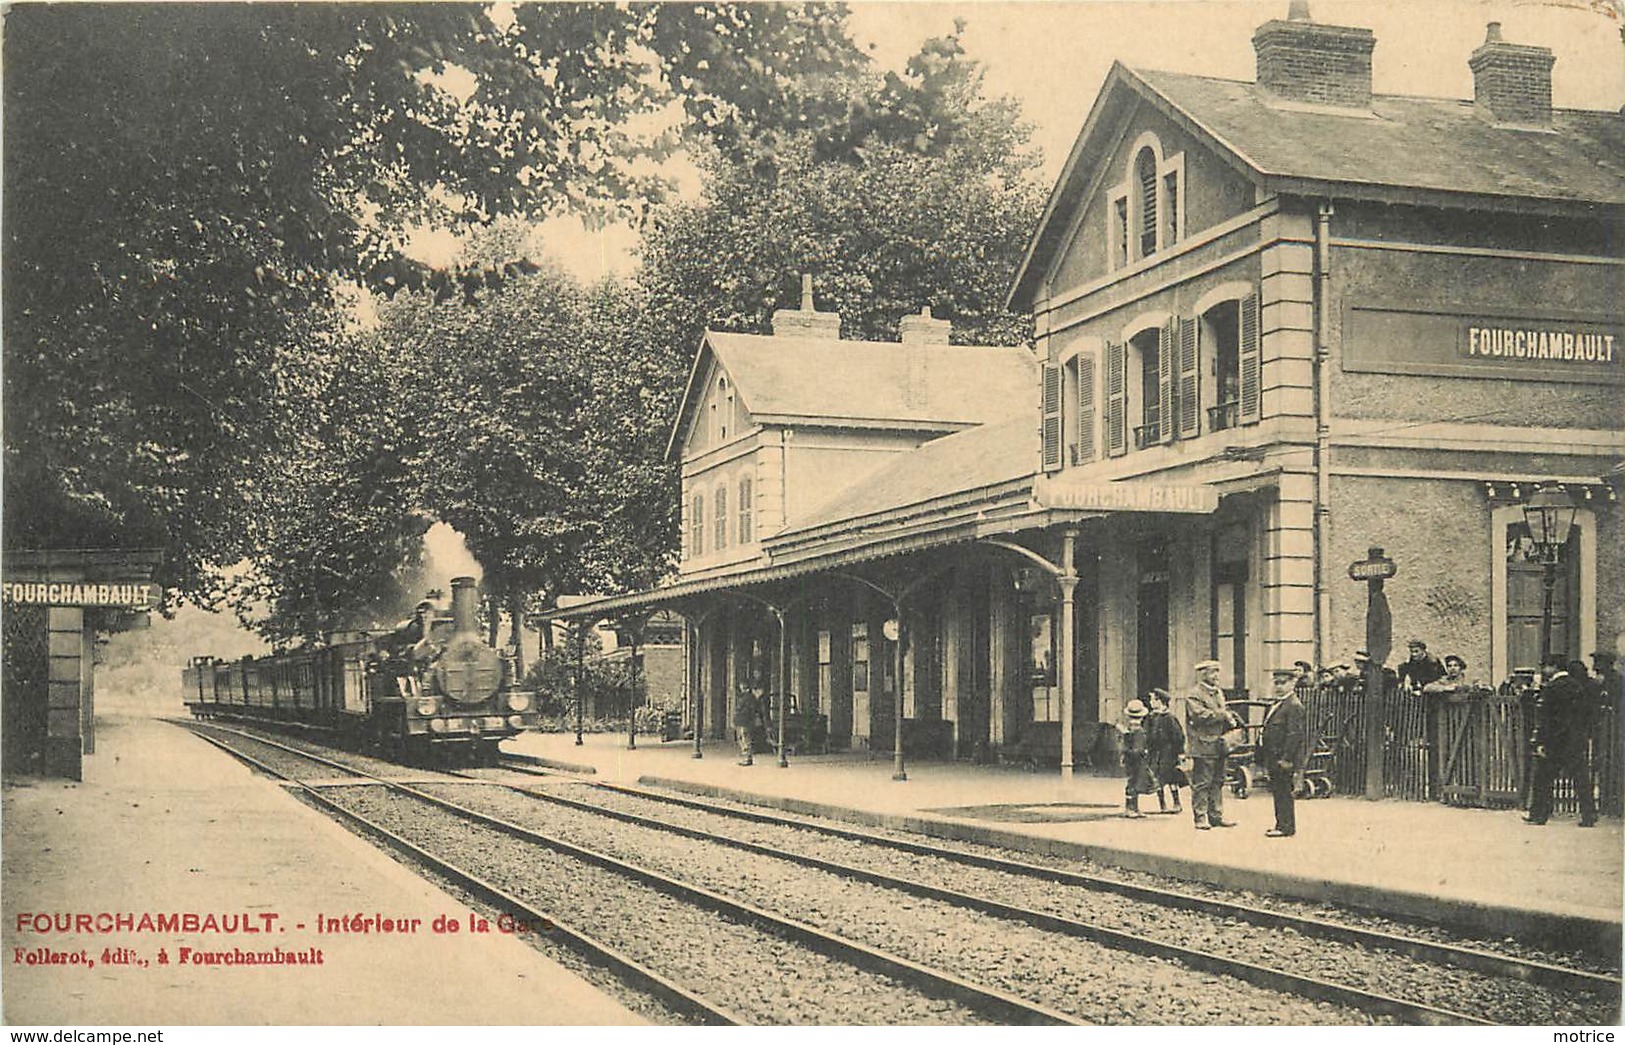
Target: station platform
165,825
1477,867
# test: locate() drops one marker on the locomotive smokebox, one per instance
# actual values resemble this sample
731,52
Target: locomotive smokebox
465,605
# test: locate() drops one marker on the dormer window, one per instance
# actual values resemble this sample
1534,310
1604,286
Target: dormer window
723,418
1145,173
1147,212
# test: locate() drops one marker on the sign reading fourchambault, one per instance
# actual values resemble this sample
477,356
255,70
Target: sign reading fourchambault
1539,343
1051,492
80,593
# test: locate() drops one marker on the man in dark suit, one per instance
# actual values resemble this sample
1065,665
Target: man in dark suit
1285,748
1564,711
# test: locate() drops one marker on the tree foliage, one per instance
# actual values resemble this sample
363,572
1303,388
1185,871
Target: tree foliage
919,194
185,185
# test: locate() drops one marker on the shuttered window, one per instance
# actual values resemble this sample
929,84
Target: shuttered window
747,510
1251,390
1116,399
1190,401
1086,410
696,527
1052,417
1146,173
1167,375
722,518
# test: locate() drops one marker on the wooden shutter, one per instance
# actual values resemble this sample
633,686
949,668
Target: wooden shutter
1052,417
1190,399
1116,399
1167,371
1086,409
722,518
698,533
1251,391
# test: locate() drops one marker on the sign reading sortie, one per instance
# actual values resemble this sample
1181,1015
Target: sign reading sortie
123,594
1125,496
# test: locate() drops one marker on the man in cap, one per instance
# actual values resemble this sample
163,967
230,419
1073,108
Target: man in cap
1420,668
1564,711
1285,749
1207,720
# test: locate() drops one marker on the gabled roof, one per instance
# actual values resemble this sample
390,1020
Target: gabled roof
987,456
1436,151
863,384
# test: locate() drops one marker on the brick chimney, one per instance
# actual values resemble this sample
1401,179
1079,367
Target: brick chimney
1512,83
806,321
1300,60
923,330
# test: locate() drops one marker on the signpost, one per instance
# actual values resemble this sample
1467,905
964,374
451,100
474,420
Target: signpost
1379,637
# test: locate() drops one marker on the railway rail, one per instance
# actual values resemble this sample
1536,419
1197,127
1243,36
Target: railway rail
830,972
880,892
1349,965
1479,959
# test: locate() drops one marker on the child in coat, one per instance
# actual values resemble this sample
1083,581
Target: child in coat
1137,773
1165,746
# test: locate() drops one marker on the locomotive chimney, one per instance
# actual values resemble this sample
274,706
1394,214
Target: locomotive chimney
465,605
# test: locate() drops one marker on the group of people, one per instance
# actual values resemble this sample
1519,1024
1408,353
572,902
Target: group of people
1160,755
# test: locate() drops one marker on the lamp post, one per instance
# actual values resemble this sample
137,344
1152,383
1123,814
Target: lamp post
581,645
1549,515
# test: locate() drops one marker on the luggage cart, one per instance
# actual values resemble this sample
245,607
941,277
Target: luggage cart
1245,770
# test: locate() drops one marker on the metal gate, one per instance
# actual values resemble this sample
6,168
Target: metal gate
25,655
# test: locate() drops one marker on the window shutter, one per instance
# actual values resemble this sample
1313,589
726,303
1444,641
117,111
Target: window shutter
1251,392
747,509
1190,400
722,518
698,534
1116,399
1052,417
1086,409
1167,373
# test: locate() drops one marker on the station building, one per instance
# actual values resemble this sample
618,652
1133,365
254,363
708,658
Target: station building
1277,322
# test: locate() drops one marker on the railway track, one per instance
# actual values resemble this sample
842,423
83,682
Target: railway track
879,894
1479,959
838,980
1404,978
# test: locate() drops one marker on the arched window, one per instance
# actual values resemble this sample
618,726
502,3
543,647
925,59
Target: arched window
725,417
1147,211
1145,174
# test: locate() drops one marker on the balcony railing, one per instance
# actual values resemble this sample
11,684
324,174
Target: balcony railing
1147,435
1225,415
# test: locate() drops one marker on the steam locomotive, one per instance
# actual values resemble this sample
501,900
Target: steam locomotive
433,685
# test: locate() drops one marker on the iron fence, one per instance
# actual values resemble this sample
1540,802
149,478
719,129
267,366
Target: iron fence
1470,748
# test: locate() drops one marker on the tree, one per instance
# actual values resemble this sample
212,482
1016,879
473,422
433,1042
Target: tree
920,195
186,185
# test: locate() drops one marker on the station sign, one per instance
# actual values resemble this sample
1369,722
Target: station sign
1127,496
121,594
